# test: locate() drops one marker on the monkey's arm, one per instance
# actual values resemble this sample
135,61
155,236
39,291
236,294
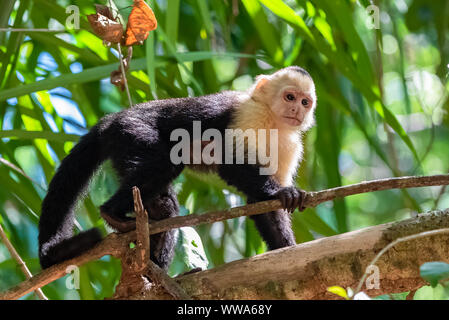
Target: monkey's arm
247,179
275,227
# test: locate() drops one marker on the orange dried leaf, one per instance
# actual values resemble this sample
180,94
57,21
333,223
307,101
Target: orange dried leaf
140,22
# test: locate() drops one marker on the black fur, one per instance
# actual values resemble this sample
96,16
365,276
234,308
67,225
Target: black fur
274,227
56,222
137,140
163,206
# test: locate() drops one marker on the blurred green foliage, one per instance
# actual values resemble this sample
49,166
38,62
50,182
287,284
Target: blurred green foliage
382,111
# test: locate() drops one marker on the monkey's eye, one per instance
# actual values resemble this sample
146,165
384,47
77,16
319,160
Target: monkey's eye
305,102
290,97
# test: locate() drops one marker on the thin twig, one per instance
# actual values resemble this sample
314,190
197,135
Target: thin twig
116,244
18,170
142,232
440,195
315,198
392,244
15,255
125,81
160,277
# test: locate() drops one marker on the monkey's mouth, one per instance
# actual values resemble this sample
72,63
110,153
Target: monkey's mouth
292,121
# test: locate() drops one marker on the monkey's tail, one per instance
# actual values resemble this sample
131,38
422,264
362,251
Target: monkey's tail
56,240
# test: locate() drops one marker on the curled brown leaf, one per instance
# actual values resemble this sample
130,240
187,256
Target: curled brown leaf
107,29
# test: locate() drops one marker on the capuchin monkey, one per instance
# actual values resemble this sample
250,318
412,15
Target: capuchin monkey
138,142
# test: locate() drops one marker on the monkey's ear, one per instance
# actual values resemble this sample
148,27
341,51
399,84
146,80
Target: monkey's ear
260,86
262,81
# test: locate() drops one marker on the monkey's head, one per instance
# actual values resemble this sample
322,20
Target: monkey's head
290,94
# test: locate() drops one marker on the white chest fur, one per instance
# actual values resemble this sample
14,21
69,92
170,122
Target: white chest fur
289,156
287,146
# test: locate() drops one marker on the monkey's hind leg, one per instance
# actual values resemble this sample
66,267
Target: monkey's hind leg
163,205
162,245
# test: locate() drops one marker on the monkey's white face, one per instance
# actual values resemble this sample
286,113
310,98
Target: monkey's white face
291,97
294,104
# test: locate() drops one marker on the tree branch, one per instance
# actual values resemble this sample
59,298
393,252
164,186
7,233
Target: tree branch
114,244
394,243
312,200
305,271
117,244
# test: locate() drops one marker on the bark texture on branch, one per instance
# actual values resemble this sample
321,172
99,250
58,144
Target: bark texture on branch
305,271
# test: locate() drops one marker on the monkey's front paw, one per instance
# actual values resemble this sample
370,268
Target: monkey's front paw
291,198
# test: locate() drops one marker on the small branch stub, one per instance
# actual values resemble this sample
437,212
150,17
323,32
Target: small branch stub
161,278
142,254
142,232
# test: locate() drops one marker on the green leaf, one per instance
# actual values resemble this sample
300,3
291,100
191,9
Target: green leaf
391,119
173,51
92,74
172,20
101,72
86,289
47,135
194,56
302,233
285,12
341,12
9,59
434,272
5,13
192,248
22,191
328,147
151,61
393,296
439,292
55,42
314,222
267,33
206,16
